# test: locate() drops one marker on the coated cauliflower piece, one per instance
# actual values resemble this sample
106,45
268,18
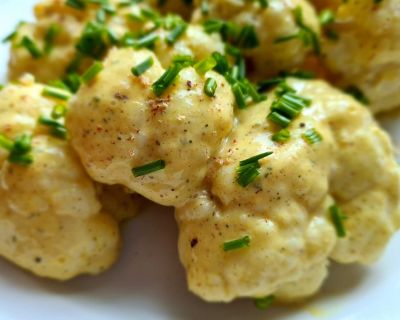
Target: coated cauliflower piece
272,23
365,53
51,220
283,219
65,40
56,32
117,123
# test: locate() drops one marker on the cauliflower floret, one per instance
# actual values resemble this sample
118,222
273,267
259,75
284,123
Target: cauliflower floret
51,220
67,25
286,212
365,53
271,23
117,123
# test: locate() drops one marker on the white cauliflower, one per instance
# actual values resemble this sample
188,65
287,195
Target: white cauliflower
58,29
117,123
51,220
365,53
286,213
271,23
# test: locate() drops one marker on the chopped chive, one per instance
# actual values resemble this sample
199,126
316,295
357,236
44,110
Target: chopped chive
57,129
264,3
167,79
213,25
205,65
59,111
92,72
210,87
247,174
50,37
279,119
264,302
287,105
305,33
338,217
247,38
326,17
183,59
148,168
32,47
281,136
300,74
6,143
255,158
239,95
19,149
357,94
222,63
57,93
312,136
142,67
76,4
146,41
95,39
247,171
73,82
101,16
175,33
10,37
237,244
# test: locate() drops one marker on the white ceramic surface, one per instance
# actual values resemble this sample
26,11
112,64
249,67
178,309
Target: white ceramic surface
148,281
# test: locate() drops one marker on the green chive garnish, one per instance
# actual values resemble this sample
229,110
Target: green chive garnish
19,150
32,47
326,17
239,95
357,94
281,136
174,35
247,38
76,4
312,136
57,129
205,65
142,67
287,105
210,87
237,244
146,41
338,217
50,37
53,92
59,111
305,33
167,79
92,72
248,169
148,168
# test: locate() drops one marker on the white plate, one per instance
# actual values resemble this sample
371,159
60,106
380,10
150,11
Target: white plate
148,281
